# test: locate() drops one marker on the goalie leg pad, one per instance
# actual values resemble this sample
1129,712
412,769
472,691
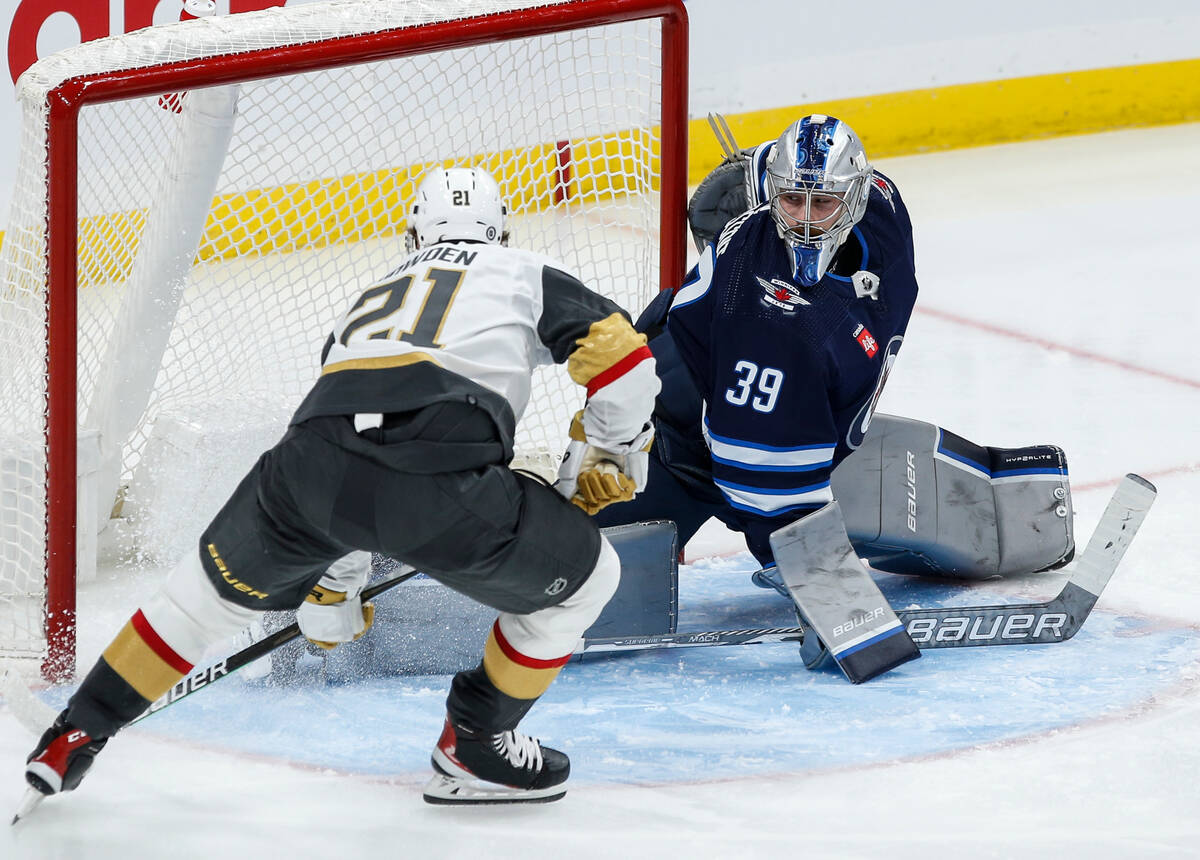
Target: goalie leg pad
918,499
837,598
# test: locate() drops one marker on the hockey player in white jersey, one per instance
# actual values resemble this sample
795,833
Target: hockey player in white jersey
402,447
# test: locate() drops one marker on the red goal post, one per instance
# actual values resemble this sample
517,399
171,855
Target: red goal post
541,93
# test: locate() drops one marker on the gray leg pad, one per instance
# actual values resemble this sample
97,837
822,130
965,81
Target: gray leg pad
918,499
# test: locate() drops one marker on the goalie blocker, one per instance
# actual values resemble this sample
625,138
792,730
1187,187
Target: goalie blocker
837,599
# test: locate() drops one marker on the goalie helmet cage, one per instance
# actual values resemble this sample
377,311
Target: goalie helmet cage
195,204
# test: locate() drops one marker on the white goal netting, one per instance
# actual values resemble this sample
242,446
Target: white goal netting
218,236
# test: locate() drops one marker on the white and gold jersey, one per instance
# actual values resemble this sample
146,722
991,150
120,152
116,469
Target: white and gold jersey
457,317
470,308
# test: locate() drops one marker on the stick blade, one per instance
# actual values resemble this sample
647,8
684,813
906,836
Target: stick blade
1118,525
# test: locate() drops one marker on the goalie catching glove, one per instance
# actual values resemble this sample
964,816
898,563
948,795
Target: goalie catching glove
594,478
333,612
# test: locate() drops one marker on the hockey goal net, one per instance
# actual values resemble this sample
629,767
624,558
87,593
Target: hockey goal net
197,202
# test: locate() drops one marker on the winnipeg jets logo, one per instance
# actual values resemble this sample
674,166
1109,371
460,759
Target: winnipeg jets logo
781,294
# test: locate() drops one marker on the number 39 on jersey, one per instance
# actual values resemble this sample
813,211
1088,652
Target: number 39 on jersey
758,388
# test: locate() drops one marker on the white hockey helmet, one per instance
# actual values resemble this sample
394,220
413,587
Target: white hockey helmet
817,156
458,203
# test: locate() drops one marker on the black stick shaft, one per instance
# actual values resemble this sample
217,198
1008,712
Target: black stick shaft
252,652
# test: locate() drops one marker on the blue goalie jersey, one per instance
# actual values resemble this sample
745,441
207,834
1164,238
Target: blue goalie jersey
785,377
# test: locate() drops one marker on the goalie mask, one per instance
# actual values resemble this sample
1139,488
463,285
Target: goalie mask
455,204
818,180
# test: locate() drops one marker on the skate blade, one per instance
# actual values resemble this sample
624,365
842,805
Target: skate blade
29,803
452,790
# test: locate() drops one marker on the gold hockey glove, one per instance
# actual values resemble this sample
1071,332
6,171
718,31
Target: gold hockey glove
594,478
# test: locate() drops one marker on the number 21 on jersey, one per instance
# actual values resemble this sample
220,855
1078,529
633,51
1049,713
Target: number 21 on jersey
380,311
758,388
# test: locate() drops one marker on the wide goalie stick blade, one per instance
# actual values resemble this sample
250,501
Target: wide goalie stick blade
1055,620
1059,619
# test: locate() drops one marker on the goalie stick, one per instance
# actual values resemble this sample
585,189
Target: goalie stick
27,707
1056,620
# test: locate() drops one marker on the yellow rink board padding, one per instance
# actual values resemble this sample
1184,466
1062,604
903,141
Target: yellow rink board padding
964,115
370,205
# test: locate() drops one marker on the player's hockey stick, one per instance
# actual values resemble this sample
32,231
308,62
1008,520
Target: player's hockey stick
24,708
256,650
35,715
1055,620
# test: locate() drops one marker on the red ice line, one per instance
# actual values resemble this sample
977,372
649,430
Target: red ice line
1084,354
1061,347
1112,482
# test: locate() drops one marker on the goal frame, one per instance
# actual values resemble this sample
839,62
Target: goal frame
61,237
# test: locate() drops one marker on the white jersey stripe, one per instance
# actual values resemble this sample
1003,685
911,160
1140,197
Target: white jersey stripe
774,501
748,455
695,290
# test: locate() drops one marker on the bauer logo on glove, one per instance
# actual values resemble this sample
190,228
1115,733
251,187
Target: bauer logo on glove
594,478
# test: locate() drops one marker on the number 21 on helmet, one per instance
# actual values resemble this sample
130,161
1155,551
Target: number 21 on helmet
456,203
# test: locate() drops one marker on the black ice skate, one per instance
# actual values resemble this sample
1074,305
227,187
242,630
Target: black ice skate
62,757
57,764
473,767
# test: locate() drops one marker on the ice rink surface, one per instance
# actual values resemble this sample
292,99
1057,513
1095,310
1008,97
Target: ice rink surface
1059,305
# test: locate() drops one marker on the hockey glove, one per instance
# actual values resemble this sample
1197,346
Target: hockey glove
593,478
718,199
725,192
328,618
333,613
